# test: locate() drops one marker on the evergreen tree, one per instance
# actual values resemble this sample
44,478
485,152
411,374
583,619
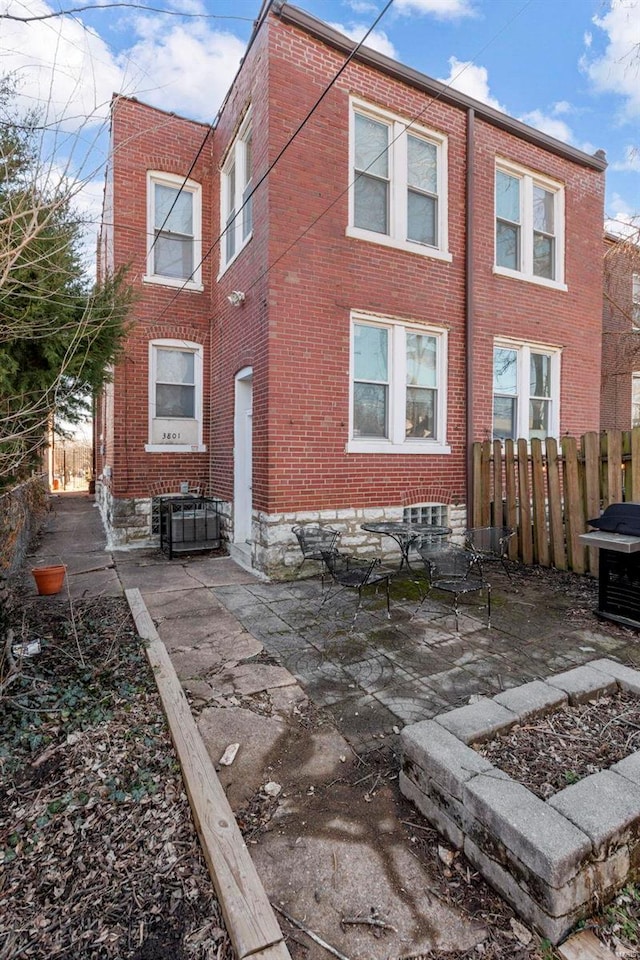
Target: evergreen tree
59,334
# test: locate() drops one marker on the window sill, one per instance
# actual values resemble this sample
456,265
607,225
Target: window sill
175,448
225,266
187,285
407,246
529,278
386,446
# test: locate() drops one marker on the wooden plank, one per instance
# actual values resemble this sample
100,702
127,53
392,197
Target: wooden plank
476,519
540,529
524,496
614,466
573,506
251,922
584,946
485,506
556,525
512,501
626,465
499,519
591,451
635,464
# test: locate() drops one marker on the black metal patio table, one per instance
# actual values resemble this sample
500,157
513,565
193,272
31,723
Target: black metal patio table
406,534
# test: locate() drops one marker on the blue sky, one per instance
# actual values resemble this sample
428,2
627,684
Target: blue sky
568,67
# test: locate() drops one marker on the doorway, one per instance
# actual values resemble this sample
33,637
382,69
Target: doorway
242,457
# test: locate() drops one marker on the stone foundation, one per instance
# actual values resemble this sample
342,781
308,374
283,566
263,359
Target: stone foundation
554,861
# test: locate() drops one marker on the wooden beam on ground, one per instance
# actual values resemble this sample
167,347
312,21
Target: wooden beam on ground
584,946
251,922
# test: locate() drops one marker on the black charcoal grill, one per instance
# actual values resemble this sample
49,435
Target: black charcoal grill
617,537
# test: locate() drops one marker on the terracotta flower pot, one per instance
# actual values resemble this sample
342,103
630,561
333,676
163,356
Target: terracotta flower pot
49,579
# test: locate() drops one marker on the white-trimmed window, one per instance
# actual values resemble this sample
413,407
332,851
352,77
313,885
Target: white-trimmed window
526,391
635,399
236,207
398,387
174,219
529,226
175,397
398,192
635,301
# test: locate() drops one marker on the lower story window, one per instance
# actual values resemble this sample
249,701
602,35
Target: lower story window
398,387
526,391
175,396
434,514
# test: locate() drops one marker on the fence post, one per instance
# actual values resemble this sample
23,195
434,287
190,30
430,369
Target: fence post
591,450
614,466
512,502
556,525
635,464
573,508
540,531
526,541
498,498
474,520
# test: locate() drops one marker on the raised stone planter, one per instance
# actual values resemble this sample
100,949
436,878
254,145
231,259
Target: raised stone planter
554,861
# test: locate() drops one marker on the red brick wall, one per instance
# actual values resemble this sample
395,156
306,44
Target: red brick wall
620,345
302,277
148,139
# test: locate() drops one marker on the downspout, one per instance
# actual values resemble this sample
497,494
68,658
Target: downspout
469,316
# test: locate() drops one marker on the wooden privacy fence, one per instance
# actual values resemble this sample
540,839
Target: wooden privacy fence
546,492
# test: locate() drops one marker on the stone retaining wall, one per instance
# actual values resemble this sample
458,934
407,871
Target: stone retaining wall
555,861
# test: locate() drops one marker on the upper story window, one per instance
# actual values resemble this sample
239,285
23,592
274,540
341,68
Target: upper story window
529,226
175,397
526,391
398,387
635,300
398,183
236,205
174,216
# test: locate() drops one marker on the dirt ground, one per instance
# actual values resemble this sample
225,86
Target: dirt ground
100,855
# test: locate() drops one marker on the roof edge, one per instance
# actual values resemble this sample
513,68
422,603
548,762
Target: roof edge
322,31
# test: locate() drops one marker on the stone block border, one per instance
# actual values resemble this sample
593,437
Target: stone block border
554,861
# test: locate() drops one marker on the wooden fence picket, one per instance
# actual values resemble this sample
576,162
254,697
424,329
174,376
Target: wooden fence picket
591,454
540,529
573,509
525,535
511,496
556,527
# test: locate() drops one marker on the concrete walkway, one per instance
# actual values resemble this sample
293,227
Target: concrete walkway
315,704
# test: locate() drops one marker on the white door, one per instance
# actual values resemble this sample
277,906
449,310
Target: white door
242,459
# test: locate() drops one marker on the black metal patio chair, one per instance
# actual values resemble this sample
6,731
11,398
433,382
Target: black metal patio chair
314,541
452,569
356,573
489,543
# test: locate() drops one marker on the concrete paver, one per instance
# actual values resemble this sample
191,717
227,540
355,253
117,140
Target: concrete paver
250,653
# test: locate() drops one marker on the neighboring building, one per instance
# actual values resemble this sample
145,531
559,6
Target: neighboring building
620,391
323,339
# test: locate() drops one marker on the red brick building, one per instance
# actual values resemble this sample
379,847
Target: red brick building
620,390
331,309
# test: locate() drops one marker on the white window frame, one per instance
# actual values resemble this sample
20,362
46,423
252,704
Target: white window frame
528,180
397,442
635,301
524,351
197,350
397,236
157,177
635,404
242,223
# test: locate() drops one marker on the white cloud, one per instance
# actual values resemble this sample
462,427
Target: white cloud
472,80
552,125
377,39
617,70
561,107
362,6
621,220
186,69
631,161
440,9
70,72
